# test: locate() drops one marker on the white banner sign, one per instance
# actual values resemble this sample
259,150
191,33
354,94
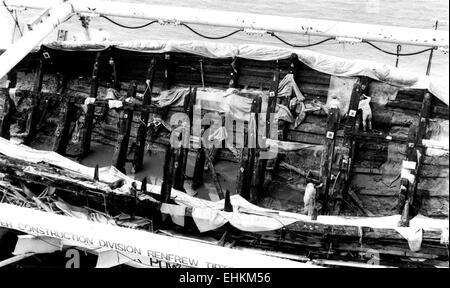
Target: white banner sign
140,243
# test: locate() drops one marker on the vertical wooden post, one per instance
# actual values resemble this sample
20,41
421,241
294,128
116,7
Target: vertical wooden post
414,153
270,164
67,115
248,154
124,125
181,160
241,185
142,130
33,117
349,143
167,71
89,117
200,161
198,169
112,67
96,173
293,69
234,75
227,203
168,173
259,174
134,203
5,117
144,185
326,163
8,107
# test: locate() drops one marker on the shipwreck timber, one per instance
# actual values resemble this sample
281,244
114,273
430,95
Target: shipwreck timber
363,172
358,138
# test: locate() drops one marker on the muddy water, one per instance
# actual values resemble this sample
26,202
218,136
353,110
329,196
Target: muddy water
153,169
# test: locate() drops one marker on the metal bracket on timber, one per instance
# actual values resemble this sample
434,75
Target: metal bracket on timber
263,177
125,120
408,198
248,155
89,117
33,116
142,130
234,75
326,163
7,106
349,144
167,63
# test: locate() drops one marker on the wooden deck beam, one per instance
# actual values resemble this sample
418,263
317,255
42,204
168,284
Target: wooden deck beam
144,117
67,116
260,175
234,74
89,116
409,200
125,120
33,116
7,106
349,144
326,163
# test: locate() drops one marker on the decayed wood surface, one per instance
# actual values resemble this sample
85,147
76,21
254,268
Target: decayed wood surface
375,161
311,239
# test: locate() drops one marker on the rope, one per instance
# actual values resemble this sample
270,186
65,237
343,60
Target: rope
129,27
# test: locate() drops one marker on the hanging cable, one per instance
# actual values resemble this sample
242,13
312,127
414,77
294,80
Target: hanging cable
399,54
129,27
211,37
11,12
299,46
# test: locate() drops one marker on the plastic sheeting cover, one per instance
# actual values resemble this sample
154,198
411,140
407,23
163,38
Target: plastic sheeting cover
253,218
324,63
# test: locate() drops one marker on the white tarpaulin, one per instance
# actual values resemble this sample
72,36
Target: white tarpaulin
138,242
324,63
207,214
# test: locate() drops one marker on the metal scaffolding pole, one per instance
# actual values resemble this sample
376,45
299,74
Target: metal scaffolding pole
17,51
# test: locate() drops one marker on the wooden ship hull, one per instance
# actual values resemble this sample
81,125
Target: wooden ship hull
103,105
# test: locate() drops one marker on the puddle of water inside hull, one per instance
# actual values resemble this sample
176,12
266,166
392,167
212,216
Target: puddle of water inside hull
281,195
153,169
